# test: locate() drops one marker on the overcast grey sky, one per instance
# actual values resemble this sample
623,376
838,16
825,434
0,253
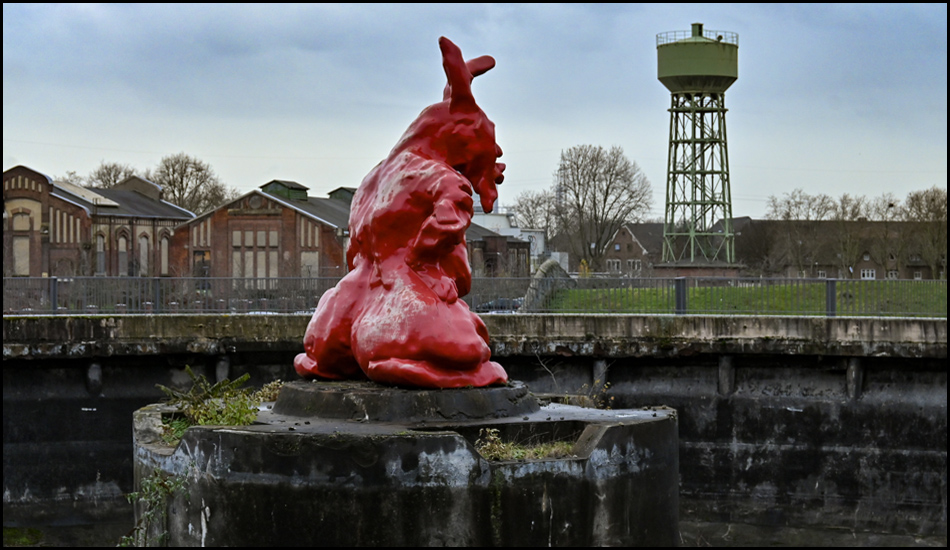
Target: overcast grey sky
830,98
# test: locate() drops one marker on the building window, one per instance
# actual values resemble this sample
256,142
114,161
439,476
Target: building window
143,256
867,257
613,266
255,255
100,255
21,256
892,274
822,274
918,275
633,265
123,256
869,274
201,262
309,264
617,247
22,221
164,254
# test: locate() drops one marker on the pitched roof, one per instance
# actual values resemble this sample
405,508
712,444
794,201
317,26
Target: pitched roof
334,212
90,197
119,202
327,211
649,235
135,204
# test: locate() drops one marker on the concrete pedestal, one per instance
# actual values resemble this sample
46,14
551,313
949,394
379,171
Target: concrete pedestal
359,464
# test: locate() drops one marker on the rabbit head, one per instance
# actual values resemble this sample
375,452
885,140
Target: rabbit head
456,130
455,133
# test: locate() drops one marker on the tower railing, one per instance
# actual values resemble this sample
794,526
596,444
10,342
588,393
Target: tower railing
675,36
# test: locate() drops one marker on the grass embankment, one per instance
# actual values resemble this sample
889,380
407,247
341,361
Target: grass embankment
891,298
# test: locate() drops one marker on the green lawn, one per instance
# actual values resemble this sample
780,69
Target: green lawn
913,298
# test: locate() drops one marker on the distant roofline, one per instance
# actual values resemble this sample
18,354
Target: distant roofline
290,184
72,202
274,198
85,194
23,166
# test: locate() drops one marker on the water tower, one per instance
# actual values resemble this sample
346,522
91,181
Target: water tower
697,67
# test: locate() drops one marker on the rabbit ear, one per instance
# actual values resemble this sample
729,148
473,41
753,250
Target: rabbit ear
477,66
459,88
480,65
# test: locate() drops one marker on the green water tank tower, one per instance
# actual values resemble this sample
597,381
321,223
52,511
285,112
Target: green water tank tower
697,67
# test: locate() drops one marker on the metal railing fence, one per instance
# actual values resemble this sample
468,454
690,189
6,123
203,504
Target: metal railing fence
694,295
669,37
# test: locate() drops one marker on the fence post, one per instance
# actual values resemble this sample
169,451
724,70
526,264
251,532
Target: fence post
53,294
679,285
831,298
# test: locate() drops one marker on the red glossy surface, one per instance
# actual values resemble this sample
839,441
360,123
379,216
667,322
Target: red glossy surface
396,318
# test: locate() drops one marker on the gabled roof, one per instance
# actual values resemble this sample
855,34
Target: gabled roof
336,213
119,201
90,196
326,211
134,204
649,235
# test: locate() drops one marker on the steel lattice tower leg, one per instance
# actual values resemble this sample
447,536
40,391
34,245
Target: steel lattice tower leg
698,219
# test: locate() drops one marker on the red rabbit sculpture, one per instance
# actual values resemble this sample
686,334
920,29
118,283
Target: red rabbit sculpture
396,317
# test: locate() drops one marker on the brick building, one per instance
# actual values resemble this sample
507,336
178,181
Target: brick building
634,250
274,231
59,229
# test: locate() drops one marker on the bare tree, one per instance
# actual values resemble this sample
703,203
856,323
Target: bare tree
850,215
799,234
596,191
190,183
799,205
109,174
535,210
927,209
886,245
72,177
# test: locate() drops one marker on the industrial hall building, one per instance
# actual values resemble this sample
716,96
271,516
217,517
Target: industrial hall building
278,230
57,229
274,231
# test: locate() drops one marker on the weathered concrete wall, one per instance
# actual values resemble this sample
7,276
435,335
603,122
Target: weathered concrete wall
301,477
49,337
838,422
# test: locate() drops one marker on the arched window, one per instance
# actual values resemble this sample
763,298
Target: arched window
100,254
21,221
123,250
143,255
164,254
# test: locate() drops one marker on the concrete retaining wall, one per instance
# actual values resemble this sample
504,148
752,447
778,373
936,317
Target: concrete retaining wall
835,422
